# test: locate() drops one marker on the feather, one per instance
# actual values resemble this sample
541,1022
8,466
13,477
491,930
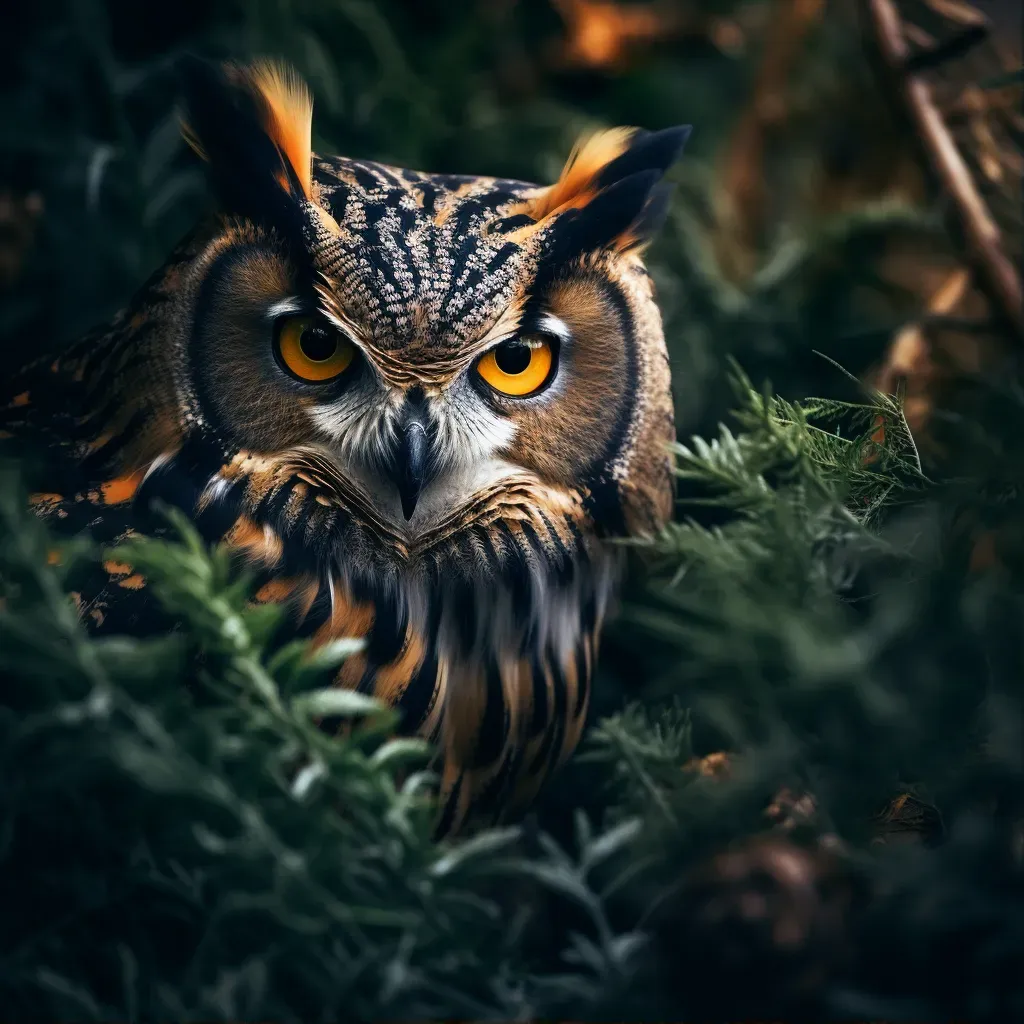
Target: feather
253,126
288,117
649,222
648,151
577,184
605,222
608,195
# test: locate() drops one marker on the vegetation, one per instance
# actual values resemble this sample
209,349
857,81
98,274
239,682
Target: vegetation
818,659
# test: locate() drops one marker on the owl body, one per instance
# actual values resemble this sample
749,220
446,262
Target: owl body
419,407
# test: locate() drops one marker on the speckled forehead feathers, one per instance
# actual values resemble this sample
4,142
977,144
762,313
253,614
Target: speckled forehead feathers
423,261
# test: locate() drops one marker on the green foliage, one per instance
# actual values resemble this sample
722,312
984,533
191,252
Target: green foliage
182,841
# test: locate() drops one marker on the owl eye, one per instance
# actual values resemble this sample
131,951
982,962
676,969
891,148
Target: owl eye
312,351
519,366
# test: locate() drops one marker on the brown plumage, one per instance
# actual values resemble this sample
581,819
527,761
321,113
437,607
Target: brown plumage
419,406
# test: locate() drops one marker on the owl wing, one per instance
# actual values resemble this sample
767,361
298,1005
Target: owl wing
73,423
39,433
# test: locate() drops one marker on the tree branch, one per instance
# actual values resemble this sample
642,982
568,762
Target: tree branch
996,273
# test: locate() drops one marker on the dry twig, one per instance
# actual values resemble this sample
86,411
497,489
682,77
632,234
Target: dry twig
981,235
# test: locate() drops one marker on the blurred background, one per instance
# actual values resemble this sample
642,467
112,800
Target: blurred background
821,236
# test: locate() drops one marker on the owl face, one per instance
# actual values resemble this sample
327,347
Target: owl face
443,377
418,406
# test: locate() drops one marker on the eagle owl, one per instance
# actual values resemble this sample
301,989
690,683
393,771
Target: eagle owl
420,408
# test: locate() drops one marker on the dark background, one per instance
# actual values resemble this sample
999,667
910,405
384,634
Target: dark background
849,636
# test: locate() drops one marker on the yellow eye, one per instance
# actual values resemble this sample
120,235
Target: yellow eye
519,366
313,352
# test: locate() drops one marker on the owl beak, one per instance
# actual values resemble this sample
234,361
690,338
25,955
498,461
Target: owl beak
412,456
412,459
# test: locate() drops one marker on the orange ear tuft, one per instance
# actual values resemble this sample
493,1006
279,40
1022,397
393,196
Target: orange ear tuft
250,124
288,116
577,184
610,194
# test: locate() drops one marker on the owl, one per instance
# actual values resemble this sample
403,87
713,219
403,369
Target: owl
420,409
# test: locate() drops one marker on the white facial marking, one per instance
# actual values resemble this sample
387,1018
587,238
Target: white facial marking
361,424
467,431
284,307
559,328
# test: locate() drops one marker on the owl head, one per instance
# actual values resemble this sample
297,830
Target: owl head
420,404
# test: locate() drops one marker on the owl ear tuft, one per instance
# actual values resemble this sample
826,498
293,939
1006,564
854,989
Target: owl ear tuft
648,151
253,127
620,217
577,184
610,194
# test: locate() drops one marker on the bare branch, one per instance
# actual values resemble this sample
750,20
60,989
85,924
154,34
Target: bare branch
996,273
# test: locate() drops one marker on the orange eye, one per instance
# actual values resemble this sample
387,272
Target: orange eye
313,352
519,366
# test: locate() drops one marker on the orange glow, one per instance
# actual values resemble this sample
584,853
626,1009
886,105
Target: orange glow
601,33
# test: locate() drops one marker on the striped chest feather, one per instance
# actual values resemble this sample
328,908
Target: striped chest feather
493,668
